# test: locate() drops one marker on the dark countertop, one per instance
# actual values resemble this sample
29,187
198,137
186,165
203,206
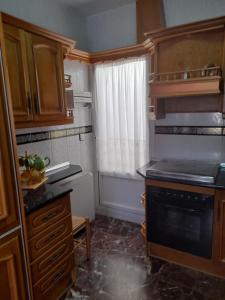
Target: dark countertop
49,192
219,184
35,199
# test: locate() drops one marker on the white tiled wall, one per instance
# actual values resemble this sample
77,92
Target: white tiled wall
82,114
80,75
42,148
187,146
191,119
73,149
87,151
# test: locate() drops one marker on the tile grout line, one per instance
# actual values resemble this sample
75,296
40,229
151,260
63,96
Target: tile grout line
191,130
40,136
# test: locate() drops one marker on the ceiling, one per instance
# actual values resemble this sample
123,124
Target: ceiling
92,7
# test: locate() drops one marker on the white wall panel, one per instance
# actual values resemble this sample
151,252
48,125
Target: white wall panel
191,119
112,29
182,11
120,198
80,74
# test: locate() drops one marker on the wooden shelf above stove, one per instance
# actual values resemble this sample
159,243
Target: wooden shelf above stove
204,81
186,87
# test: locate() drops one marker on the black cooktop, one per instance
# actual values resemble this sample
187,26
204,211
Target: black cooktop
191,170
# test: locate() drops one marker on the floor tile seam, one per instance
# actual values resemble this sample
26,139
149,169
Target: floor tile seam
113,234
134,232
182,285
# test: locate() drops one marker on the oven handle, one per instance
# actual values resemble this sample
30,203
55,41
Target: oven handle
178,207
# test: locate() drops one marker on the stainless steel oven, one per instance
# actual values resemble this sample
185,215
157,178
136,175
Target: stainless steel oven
180,220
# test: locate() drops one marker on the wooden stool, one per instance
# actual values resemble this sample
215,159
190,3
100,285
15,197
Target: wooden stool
78,224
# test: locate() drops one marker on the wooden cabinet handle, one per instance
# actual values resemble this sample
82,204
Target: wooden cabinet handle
52,236
50,216
56,256
36,103
218,213
58,276
29,103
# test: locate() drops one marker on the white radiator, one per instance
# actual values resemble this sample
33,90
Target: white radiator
82,196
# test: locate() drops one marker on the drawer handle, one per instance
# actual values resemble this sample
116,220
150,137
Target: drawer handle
58,276
56,256
52,236
37,104
29,103
50,216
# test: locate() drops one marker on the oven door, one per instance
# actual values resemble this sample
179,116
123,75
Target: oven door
180,220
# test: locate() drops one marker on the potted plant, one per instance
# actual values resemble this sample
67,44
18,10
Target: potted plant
33,168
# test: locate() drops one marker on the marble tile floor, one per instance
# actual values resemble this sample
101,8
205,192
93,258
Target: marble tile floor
119,270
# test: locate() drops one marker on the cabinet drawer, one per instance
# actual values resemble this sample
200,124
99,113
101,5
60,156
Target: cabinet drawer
49,237
48,261
12,276
50,214
52,287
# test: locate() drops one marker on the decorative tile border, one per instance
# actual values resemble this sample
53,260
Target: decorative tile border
50,135
190,130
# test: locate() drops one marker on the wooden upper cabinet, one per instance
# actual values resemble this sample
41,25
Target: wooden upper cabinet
8,188
18,73
36,75
46,69
188,65
12,279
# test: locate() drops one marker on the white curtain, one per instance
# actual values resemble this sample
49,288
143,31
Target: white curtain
121,116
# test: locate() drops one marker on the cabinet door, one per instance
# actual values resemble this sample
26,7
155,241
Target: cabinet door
219,223
8,182
18,73
46,61
12,279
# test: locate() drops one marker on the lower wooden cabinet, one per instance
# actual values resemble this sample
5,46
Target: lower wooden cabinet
51,254
41,266
222,230
12,277
52,286
219,230
42,219
47,239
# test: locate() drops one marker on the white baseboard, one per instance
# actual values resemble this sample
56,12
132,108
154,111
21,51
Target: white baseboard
131,215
